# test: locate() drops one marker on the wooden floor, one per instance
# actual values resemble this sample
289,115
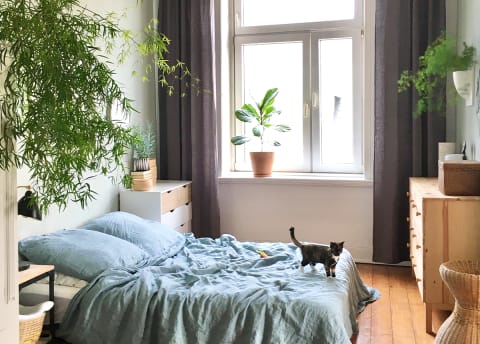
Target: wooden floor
399,315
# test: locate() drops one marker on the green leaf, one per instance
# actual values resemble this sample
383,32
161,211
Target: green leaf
244,115
239,140
257,131
269,98
282,128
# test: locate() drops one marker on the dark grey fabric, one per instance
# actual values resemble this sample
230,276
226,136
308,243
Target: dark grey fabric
188,125
404,146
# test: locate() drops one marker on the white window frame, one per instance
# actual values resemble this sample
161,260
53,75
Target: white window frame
363,27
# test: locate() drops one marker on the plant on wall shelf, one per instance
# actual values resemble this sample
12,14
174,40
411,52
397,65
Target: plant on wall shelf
440,59
261,115
57,87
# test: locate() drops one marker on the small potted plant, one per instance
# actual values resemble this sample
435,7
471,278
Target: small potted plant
260,114
144,167
440,59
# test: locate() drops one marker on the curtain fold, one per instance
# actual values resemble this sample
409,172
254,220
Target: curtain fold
187,120
404,146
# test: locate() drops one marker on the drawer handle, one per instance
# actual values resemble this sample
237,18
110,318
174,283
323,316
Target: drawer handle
408,244
419,279
411,228
414,205
418,213
187,203
419,246
407,193
172,210
414,265
414,235
408,219
411,257
184,186
169,191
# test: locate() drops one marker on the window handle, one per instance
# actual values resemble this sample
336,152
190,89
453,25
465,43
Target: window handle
314,100
306,110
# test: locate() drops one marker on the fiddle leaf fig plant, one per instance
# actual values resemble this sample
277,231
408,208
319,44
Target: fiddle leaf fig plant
260,114
440,59
57,86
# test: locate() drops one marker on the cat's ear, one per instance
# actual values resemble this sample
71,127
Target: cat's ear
341,243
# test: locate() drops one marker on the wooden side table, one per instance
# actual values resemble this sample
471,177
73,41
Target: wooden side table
35,273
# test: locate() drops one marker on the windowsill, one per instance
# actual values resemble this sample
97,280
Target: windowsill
320,179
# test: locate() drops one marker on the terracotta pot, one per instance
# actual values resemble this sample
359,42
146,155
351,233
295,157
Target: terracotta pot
262,163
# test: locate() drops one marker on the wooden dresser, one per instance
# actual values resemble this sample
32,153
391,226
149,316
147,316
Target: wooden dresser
168,202
442,228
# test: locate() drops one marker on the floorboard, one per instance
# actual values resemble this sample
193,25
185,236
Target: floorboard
399,315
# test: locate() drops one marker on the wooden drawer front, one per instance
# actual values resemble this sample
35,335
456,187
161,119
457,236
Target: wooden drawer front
178,216
174,198
185,227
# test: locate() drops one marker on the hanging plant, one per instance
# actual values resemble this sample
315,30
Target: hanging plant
440,59
58,85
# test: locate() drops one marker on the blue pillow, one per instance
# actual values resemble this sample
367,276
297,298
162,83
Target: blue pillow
159,240
79,253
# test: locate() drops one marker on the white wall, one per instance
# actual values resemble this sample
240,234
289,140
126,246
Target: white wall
468,117
321,211
144,95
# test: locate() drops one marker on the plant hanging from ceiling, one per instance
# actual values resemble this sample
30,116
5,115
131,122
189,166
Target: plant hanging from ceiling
57,87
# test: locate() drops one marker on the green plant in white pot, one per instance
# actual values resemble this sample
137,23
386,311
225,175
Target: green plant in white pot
261,115
143,147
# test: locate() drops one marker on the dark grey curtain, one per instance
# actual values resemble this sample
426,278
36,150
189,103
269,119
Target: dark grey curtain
188,126
404,146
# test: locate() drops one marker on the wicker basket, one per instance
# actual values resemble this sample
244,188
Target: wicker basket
463,281
31,321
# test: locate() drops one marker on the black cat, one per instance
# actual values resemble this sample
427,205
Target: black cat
316,253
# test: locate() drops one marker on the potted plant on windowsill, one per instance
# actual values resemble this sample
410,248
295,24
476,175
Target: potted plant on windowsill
260,114
440,59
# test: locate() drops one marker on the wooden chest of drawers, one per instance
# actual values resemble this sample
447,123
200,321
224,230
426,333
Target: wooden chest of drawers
169,202
442,228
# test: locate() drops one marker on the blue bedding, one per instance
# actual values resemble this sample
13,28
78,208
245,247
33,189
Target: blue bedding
219,291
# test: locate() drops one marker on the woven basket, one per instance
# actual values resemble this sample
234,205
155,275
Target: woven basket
31,321
463,281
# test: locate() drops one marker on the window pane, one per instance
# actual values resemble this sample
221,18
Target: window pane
336,106
274,12
279,65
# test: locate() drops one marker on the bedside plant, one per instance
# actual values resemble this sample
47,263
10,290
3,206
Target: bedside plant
143,147
260,115
440,59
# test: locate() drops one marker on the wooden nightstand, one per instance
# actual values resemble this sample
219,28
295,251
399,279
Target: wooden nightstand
168,202
35,273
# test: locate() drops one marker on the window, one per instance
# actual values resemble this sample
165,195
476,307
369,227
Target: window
313,52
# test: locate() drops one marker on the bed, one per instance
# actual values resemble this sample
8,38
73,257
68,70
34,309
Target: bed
148,283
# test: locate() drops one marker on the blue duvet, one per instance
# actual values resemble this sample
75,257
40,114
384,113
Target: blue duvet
219,291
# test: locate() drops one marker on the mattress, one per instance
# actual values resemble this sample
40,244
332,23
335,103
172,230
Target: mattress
38,292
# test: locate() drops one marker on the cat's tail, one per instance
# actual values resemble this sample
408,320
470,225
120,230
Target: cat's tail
292,235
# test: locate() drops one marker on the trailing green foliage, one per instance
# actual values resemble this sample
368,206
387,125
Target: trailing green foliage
261,114
57,88
440,59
